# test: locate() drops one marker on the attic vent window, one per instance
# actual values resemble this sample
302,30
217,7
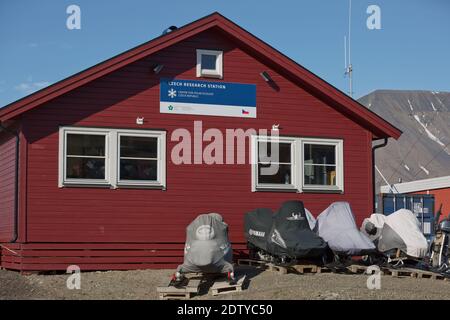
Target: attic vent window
209,63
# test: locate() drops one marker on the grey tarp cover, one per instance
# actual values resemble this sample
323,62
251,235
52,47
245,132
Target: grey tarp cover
207,248
336,225
399,230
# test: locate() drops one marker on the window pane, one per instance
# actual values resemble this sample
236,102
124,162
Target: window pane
85,168
320,175
138,169
282,176
138,147
208,61
284,152
85,145
320,154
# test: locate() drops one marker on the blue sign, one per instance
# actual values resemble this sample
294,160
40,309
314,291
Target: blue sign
208,98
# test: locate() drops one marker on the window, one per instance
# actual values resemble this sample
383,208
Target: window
111,157
86,156
275,163
138,158
209,63
302,164
322,164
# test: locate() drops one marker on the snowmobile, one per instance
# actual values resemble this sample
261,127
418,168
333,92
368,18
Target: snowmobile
207,249
397,237
282,238
439,247
337,226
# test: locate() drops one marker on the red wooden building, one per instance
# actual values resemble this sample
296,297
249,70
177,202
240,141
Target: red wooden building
86,173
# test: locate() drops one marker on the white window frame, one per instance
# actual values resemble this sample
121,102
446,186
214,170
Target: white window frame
294,168
160,158
338,144
297,165
216,73
111,158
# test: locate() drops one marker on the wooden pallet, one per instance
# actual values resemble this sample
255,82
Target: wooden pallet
401,272
172,293
298,268
356,268
223,287
306,268
262,264
422,274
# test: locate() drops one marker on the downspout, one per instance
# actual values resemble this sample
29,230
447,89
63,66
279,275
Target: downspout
16,184
373,170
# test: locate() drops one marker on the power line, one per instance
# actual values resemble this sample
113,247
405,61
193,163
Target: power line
432,159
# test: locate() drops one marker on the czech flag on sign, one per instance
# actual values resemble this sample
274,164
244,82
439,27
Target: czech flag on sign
245,111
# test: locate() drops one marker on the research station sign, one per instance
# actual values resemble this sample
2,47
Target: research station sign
207,98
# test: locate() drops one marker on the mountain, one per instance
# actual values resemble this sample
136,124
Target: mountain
423,150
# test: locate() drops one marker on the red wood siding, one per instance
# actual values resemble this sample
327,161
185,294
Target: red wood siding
130,256
7,185
95,215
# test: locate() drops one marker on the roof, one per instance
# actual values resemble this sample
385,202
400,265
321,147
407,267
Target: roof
418,185
334,97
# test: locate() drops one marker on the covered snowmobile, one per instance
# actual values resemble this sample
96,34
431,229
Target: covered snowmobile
336,225
207,248
439,248
283,237
397,231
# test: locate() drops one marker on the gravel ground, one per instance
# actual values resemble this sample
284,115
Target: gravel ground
261,285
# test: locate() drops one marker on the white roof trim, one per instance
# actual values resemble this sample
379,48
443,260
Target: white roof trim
419,185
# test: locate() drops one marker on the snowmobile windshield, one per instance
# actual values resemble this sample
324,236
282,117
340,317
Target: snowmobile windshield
337,226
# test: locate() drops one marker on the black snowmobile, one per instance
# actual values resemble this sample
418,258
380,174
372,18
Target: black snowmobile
282,238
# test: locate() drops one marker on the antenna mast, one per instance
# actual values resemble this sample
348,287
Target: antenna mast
348,64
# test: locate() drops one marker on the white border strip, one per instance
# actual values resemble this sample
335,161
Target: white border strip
207,109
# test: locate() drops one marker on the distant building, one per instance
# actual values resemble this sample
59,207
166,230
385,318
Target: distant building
439,187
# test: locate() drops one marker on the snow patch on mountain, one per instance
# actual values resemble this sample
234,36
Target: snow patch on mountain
424,170
410,105
431,135
432,105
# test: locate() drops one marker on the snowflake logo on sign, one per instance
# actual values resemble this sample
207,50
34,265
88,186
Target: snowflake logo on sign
172,93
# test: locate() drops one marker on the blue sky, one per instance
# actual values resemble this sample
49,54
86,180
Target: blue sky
411,51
